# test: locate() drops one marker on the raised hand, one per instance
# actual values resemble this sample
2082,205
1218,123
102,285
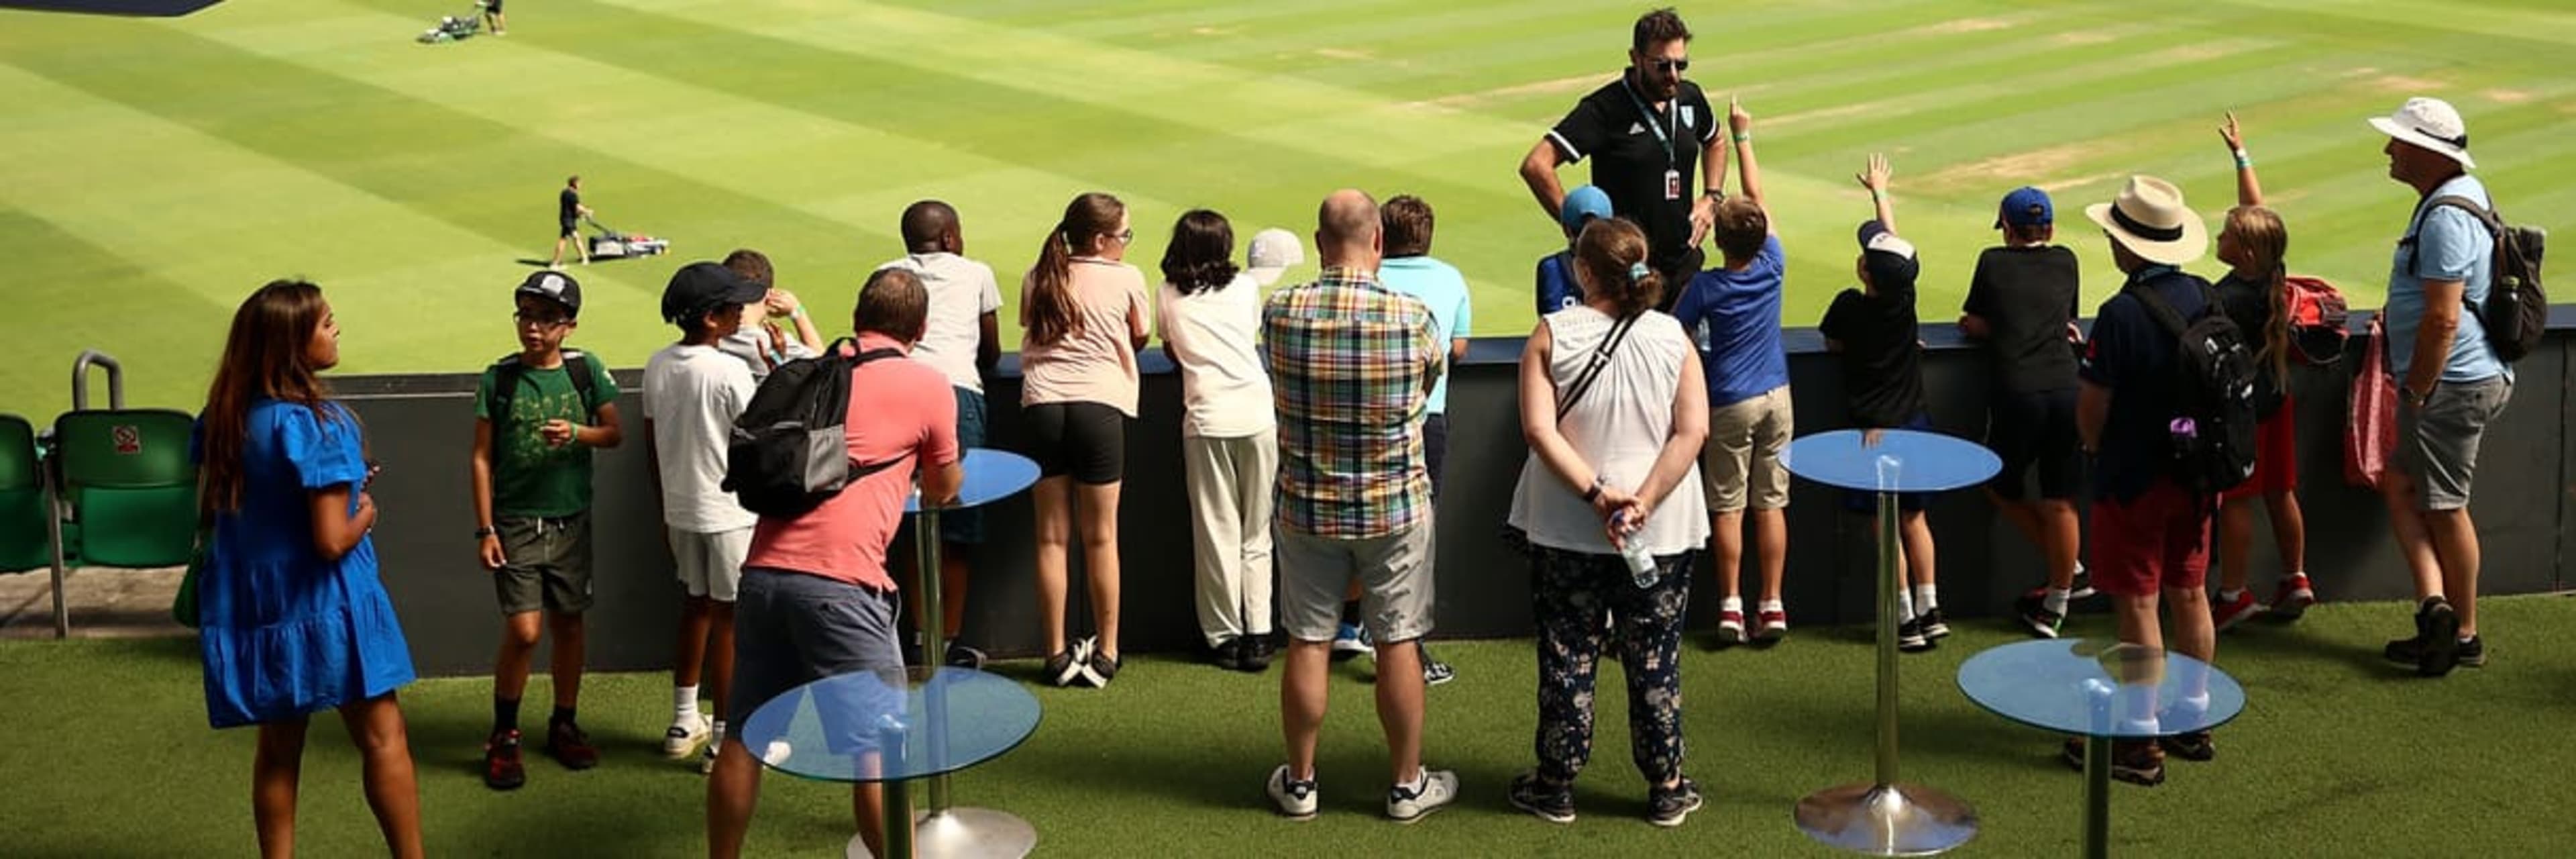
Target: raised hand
1737,119
1874,176
2234,136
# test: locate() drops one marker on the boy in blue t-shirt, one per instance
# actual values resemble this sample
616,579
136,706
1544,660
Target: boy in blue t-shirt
537,415
1733,314
1556,287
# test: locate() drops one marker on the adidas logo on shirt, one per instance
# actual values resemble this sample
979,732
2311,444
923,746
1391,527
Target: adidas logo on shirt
1636,128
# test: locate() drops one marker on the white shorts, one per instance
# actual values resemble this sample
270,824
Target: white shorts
710,565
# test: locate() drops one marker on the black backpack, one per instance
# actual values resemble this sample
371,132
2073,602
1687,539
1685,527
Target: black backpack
2517,309
790,451
2213,432
507,372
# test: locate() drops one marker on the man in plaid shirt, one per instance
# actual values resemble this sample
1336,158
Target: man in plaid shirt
1352,364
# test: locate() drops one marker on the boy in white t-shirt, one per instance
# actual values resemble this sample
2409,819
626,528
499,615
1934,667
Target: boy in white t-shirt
962,341
692,393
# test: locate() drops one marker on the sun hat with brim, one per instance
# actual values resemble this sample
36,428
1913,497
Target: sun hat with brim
2151,220
1270,253
2430,123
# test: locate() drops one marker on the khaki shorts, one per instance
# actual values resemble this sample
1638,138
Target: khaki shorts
1395,574
545,564
710,565
1741,464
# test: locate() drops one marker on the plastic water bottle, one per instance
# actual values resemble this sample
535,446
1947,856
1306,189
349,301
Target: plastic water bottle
1641,564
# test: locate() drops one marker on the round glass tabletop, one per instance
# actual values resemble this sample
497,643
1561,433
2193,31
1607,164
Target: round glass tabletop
1890,460
2101,689
991,475
868,727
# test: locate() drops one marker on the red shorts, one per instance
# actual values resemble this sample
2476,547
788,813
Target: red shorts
2159,539
2276,456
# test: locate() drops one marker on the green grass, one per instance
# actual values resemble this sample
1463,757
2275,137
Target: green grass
161,169
2336,754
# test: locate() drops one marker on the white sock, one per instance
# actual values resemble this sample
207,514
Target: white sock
684,704
1904,607
1733,604
2055,600
2227,595
1421,778
717,738
1927,597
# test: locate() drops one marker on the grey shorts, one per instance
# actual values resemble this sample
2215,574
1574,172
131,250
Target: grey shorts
790,629
710,565
545,564
1394,571
2437,445
1741,464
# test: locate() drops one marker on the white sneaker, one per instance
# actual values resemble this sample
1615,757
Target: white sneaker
1407,805
685,736
1294,799
715,743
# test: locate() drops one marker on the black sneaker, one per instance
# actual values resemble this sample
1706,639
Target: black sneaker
1097,671
2408,651
1668,807
1435,672
2195,746
569,745
2032,608
1064,666
1257,651
2441,650
502,769
2473,652
1552,804
962,656
1935,627
1909,637
1227,654
2081,586
2137,762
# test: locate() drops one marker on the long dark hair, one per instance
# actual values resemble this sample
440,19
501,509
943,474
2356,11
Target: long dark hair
1200,256
2265,242
265,355
1053,313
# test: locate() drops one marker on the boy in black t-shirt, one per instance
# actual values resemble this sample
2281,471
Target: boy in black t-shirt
1872,328
2021,302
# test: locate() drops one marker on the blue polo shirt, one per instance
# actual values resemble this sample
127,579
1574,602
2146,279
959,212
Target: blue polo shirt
1734,319
1556,287
2444,244
2138,360
1439,285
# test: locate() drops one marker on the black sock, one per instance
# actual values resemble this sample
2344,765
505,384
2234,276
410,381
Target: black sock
505,714
1351,612
562,716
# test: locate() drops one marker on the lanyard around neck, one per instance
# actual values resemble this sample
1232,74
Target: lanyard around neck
1670,105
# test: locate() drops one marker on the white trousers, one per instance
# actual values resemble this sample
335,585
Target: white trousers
1229,481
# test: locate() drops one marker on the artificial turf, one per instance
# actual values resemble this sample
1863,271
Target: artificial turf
2337,754
159,170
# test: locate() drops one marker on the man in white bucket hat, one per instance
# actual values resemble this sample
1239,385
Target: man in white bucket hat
2451,383
2150,533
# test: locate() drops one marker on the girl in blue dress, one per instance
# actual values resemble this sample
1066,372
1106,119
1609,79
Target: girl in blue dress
293,618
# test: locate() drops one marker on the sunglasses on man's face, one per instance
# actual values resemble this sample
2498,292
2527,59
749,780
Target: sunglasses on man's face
1669,66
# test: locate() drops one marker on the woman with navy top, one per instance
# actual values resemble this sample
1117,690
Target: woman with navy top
293,619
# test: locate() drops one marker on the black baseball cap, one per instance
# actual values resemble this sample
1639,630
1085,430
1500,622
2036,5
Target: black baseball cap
1889,257
553,286
700,286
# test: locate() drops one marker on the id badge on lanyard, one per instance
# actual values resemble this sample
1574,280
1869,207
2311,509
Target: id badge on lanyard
1672,171
1672,184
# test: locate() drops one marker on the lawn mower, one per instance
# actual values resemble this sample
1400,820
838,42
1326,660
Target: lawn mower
454,29
610,244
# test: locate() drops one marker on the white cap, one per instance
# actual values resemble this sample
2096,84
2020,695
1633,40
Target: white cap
2430,123
1271,253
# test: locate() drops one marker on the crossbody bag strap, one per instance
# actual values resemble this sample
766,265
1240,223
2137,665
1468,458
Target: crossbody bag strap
1592,369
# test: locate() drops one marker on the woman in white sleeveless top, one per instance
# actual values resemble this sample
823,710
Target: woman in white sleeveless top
1615,409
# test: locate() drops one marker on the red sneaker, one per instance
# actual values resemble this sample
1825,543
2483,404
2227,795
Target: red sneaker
1775,625
2294,597
501,767
570,746
2226,612
1730,627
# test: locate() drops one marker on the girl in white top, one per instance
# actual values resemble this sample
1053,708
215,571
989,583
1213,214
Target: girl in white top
1210,316
1084,311
1615,409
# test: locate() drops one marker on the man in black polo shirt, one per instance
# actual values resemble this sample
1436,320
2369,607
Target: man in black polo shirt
1649,136
568,214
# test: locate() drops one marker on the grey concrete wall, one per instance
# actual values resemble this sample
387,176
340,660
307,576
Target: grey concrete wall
421,425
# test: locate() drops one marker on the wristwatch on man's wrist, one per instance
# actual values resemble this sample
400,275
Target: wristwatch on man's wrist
484,531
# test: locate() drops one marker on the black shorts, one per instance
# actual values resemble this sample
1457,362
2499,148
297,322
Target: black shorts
492,6
1435,447
567,229
2035,428
1085,440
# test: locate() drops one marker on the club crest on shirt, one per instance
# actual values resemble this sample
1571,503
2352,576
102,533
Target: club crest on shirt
1690,116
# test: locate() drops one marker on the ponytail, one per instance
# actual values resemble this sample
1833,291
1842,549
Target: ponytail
1054,313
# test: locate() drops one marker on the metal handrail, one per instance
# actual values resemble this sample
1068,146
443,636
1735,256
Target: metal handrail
80,379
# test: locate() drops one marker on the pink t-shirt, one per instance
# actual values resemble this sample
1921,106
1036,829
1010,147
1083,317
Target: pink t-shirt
1097,362
898,407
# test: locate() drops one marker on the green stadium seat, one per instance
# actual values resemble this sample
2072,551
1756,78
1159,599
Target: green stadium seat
131,485
24,504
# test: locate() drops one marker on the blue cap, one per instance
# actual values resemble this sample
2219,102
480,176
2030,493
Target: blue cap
2026,207
1581,206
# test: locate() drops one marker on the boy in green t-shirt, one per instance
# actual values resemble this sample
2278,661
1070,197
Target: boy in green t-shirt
537,414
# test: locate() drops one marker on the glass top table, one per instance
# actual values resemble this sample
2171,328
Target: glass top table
991,475
2101,691
868,727
1890,460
